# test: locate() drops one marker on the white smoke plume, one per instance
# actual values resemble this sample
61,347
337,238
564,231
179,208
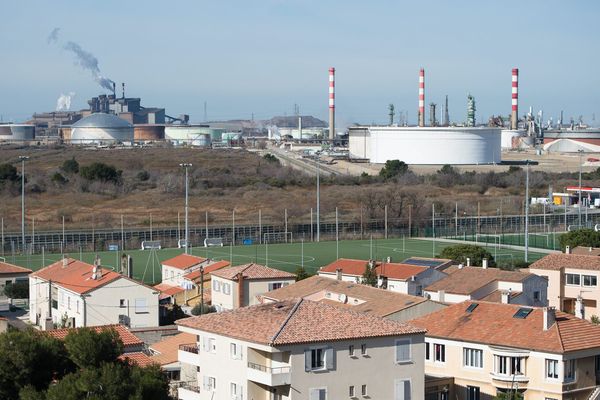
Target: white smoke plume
53,36
87,60
64,101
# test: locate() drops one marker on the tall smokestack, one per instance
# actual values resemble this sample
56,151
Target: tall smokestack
422,97
514,116
331,103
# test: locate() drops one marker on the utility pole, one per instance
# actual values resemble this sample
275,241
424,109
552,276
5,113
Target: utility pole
579,203
527,212
23,159
201,290
187,232
318,202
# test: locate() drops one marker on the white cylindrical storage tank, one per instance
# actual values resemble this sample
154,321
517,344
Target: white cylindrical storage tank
432,145
17,132
507,135
195,135
101,128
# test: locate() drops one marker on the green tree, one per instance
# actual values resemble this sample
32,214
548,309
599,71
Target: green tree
271,158
70,166
143,175
101,172
17,290
447,169
461,252
580,237
58,178
88,348
206,309
301,274
8,172
369,277
393,168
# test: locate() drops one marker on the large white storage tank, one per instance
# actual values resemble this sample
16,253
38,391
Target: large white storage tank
507,136
17,132
101,128
426,145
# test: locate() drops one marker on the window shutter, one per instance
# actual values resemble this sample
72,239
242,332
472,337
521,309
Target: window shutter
402,350
407,390
317,394
399,392
307,360
322,394
205,343
205,381
329,361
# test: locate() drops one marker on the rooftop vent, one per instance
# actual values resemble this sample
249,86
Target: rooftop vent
472,307
522,313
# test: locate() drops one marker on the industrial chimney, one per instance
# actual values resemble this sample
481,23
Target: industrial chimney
331,103
422,97
514,116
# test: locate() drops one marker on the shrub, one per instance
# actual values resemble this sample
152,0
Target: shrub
393,168
101,172
70,166
461,252
206,309
59,179
17,290
8,172
581,237
271,158
143,175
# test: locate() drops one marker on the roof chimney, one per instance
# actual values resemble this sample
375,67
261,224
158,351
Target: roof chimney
468,262
65,261
441,296
389,260
567,249
505,296
579,307
461,266
549,317
484,263
240,277
338,274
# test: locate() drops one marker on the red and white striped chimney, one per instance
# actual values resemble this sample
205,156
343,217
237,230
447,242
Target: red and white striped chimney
514,116
331,103
422,97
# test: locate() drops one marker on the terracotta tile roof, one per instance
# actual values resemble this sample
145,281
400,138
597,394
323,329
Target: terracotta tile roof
165,351
296,321
6,268
496,296
469,279
138,358
557,261
192,276
128,338
252,271
76,276
167,290
586,251
357,268
493,323
183,261
371,300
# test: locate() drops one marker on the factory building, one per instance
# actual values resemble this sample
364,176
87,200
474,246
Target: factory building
101,129
148,132
127,108
193,135
17,132
425,145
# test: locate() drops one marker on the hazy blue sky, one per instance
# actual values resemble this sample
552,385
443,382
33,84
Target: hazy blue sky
263,56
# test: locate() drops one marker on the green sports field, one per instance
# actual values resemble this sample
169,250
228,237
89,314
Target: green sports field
286,256
548,240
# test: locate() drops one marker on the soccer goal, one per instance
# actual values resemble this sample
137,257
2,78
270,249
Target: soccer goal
213,242
277,237
151,244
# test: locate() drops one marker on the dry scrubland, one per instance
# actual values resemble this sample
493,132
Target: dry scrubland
223,180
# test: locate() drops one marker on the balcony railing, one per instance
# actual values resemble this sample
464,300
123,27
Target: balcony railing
191,386
269,370
190,348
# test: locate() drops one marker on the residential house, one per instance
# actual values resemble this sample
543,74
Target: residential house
76,294
300,349
9,275
172,273
397,277
239,286
356,297
494,349
489,284
572,282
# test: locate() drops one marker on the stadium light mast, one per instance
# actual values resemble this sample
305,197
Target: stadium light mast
23,159
318,199
187,231
527,211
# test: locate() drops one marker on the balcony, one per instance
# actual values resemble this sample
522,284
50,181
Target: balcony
188,391
521,379
268,376
189,354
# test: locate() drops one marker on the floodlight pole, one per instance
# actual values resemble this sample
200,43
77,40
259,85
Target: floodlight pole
187,231
23,159
579,204
527,211
318,201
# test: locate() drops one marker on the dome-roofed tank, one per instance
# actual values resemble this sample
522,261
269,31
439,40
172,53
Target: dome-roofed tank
101,128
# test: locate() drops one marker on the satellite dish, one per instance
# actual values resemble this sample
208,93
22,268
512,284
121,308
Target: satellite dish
343,298
380,282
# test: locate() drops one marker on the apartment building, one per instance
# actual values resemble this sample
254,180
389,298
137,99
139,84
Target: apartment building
356,297
407,278
239,286
489,284
300,349
79,294
572,282
493,349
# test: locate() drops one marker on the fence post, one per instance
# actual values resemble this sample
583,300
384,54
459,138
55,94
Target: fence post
386,221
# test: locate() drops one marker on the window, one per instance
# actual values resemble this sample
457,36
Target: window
122,303
590,280
573,279
351,391
509,365
69,302
473,358
210,383
236,351
363,349
140,306
233,389
77,306
552,369
536,295
569,370
209,345
275,285
439,351
472,307
402,350
363,390
402,390
351,350
226,288
522,313
318,394
473,393
427,351
216,286
597,364
318,359
172,277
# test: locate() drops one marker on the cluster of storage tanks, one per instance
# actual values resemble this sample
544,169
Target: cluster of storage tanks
17,132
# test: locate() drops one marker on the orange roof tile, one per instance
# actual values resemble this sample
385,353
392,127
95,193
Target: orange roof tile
128,338
295,321
165,351
167,290
557,261
493,323
138,358
252,271
6,268
468,279
357,268
496,296
371,300
183,261
75,276
586,251
207,270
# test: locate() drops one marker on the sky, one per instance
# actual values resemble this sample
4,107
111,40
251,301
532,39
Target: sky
259,58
